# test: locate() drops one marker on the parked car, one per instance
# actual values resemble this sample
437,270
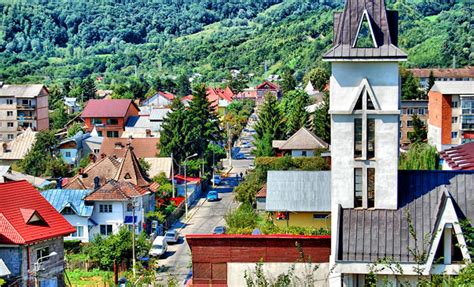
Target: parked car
212,195
239,156
159,246
219,230
246,145
217,179
172,236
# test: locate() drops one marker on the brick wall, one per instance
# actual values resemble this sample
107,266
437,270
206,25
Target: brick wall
211,253
439,108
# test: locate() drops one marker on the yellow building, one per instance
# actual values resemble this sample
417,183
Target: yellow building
299,198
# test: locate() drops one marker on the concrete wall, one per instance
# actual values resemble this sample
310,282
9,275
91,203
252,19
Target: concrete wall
304,274
303,219
434,136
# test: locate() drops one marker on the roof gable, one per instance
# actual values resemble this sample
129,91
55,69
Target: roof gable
72,198
117,191
303,139
130,170
142,147
116,108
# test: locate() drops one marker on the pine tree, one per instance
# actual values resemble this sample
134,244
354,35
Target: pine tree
270,125
419,133
174,136
88,89
288,82
183,86
410,86
296,114
322,120
431,81
238,83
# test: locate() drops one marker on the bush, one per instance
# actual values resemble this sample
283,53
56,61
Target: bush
72,246
243,217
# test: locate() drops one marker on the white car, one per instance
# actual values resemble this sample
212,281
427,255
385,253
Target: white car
159,247
172,236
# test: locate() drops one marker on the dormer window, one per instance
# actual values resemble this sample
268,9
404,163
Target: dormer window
67,211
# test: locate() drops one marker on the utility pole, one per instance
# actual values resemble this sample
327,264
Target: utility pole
213,170
172,175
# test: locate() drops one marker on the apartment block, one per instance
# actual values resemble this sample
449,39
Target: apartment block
22,107
451,114
443,74
409,108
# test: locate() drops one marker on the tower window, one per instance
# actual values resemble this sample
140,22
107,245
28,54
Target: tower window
357,187
357,138
370,138
370,187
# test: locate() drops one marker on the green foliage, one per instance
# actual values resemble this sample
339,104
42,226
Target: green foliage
156,215
410,86
74,129
144,165
431,81
236,116
238,83
293,107
419,133
288,82
58,117
322,120
175,133
104,250
243,217
88,89
420,156
183,87
318,77
90,278
270,125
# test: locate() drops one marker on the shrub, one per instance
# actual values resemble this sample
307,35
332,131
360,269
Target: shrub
243,217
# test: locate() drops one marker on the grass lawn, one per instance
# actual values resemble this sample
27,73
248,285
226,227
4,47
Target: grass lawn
93,277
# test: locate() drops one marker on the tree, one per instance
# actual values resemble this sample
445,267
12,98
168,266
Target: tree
89,89
322,120
419,133
431,81
270,125
238,83
175,133
420,156
410,86
59,117
74,129
183,87
295,113
318,77
288,82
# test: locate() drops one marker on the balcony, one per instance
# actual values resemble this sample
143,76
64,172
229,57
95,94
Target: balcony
25,107
26,118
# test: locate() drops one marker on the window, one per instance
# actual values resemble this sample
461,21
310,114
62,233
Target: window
357,138
454,120
370,138
467,122
410,111
10,124
409,123
25,102
9,102
421,111
105,229
303,153
79,232
9,113
320,216
467,106
357,187
68,154
10,136
105,208
96,121
130,207
112,134
112,121
370,187
67,211
96,151
99,133
42,253
454,104
454,135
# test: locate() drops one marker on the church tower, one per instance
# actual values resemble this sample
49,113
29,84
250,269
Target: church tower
364,108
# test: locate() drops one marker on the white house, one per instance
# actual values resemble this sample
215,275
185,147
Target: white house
373,204
161,99
303,143
70,203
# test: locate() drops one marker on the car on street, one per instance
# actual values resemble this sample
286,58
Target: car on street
159,247
239,156
212,195
246,145
172,236
219,230
217,179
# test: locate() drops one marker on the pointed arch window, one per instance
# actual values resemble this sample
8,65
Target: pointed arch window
365,37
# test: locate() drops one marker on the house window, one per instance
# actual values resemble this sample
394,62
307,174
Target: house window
409,123
319,216
9,113
455,104
96,121
357,138
421,111
79,232
67,211
112,121
105,208
303,153
454,120
454,135
357,187
130,207
105,229
41,253
96,151
10,124
9,102
68,154
99,133
112,134
467,106
370,138
10,136
25,102
370,187
410,111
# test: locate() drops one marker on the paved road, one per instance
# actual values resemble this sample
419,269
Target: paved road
203,218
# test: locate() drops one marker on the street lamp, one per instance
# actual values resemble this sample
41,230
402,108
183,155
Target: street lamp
186,184
37,264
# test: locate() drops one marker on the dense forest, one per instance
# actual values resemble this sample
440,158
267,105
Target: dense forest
51,41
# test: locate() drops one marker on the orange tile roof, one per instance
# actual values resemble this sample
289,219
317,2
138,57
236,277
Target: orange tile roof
142,147
117,190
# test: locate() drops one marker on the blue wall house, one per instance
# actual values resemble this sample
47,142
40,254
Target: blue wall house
71,149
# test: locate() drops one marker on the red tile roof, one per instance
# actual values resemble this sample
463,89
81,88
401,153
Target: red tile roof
214,94
467,72
262,193
117,191
460,157
20,201
142,147
167,95
107,108
266,85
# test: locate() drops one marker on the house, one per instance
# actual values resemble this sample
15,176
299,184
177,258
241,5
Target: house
451,113
71,205
258,92
142,147
17,149
443,74
160,100
159,165
91,145
220,97
72,150
460,157
38,182
31,236
23,107
261,198
119,203
378,212
409,108
72,106
302,143
108,116
147,124
299,198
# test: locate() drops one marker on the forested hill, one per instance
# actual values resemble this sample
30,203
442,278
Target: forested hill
49,41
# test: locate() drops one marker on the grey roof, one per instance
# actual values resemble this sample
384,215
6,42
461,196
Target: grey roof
143,122
303,139
384,25
454,87
299,191
367,235
159,114
19,147
73,198
21,91
414,103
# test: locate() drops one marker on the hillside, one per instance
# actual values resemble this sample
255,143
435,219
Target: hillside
117,39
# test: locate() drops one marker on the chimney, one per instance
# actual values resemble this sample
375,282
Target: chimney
59,183
96,183
92,158
148,133
5,147
102,155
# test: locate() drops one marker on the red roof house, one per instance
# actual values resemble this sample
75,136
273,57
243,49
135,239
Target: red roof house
108,116
31,228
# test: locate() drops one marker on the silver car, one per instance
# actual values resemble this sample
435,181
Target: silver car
172,236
